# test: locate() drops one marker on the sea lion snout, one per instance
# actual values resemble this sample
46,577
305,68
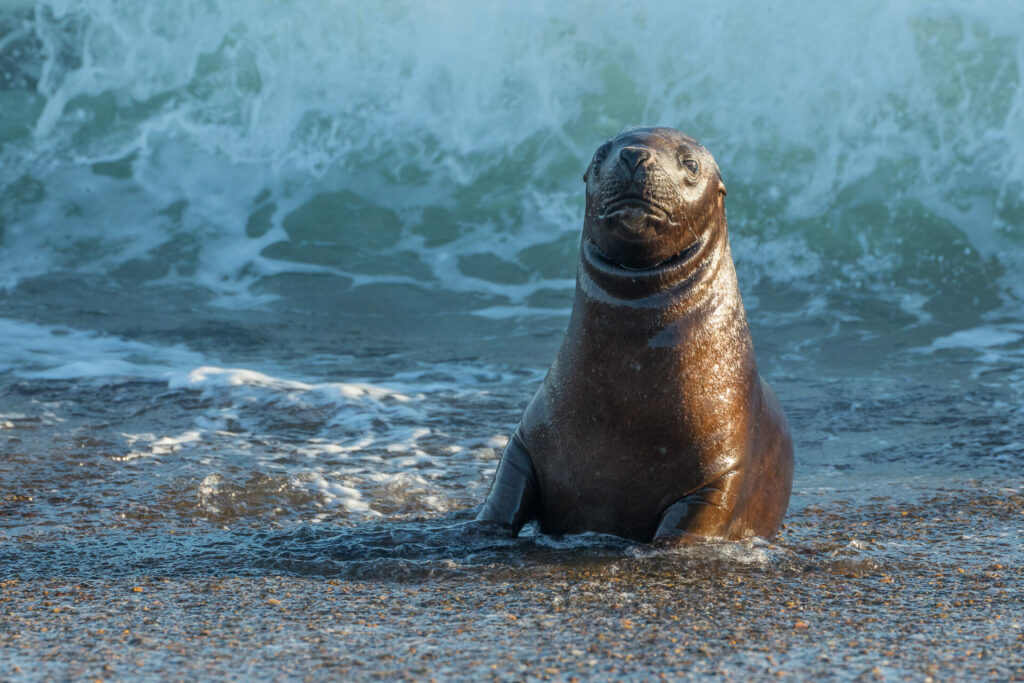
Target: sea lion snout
633,156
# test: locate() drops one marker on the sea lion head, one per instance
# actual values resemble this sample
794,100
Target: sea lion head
654,197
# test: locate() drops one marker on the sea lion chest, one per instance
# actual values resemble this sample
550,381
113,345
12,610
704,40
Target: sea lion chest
639,409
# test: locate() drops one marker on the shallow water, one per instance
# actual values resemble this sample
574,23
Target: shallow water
274,295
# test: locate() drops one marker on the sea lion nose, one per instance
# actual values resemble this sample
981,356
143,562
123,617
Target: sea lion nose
634,156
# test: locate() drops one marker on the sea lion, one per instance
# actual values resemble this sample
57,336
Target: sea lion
652,422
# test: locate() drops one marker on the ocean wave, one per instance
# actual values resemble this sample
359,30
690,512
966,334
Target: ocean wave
222,144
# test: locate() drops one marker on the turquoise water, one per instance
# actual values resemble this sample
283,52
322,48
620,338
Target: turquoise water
277,278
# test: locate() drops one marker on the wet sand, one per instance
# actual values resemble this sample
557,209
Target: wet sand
841,595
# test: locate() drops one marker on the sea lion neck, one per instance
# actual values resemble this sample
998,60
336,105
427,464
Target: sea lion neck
682,277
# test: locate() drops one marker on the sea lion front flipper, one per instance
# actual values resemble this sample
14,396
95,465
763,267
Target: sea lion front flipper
512,499
704,513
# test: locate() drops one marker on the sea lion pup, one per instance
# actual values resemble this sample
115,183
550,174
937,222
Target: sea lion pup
652,422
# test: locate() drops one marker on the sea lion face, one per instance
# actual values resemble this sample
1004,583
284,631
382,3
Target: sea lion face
650,192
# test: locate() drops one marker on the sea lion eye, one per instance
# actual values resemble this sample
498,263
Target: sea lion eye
599,156
691,164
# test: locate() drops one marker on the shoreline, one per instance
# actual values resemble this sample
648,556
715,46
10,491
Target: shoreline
830,609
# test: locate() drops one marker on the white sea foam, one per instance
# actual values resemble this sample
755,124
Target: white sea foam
358,448
978,338
505,312
205,378
335,494
57,352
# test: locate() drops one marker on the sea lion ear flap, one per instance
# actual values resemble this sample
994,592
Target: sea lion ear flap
586,175
721,188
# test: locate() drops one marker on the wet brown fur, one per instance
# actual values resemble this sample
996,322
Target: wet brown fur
653,420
